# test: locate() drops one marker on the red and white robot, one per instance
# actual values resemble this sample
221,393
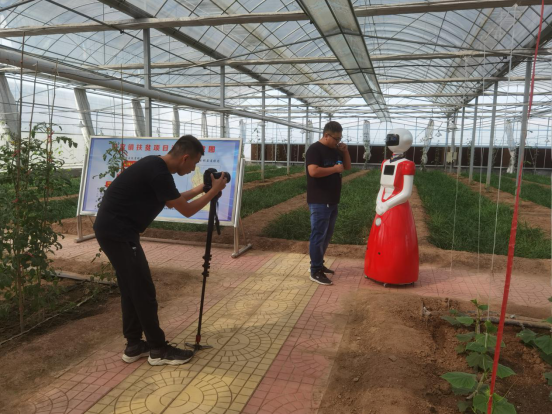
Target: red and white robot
392,252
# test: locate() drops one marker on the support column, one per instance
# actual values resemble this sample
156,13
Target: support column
446,145
472,150
491,138
223,131
320,121
263,132
243,133
459,161
87,127
9,112
453,141
289,137
204,129
176,122
139,121
307,134
147,82
524,120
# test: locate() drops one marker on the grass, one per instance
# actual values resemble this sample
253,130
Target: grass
272,172
356,212
438,193
530,192
66,208
535,178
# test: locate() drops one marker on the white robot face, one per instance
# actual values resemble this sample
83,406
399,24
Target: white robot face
399,140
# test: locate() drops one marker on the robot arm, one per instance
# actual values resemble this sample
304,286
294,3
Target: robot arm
403,196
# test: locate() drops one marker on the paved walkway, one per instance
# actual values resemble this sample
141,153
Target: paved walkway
274,335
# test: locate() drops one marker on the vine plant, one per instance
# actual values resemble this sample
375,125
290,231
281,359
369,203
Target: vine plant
478,348
30,170
543,343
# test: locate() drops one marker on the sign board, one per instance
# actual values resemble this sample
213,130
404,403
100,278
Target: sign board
223,154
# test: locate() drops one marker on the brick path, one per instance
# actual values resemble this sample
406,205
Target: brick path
274,334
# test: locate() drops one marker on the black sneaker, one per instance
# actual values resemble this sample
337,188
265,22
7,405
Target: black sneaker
169,355
320,277
326,270
135,352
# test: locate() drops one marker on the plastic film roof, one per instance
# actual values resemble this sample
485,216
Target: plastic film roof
451,31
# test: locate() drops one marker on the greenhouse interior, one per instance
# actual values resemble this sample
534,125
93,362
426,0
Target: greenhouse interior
359,220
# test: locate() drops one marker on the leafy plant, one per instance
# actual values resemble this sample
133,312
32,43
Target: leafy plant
30,174
116,155
479,348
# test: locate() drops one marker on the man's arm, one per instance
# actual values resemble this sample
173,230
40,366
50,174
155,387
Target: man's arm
189,209
342,147
316,171
194,192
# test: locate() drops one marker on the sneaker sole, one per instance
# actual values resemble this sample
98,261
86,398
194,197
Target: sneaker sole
159,361
321,283
130,360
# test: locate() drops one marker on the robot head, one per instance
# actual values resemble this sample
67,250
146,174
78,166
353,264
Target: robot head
399,140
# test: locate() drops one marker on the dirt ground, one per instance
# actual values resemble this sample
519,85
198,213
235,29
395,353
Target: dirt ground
394,375
391,359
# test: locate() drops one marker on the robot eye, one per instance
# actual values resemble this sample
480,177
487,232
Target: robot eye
392,140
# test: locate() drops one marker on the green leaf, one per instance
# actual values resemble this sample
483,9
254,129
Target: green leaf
550,299
546,358
453,311
474,301
460,380
548,320
451,320
548,376
490,328
488,340
465,337
503,371
500,404
460,349
464,405
476,347
483,307
483,361
527,336
544,343
465,320
480,402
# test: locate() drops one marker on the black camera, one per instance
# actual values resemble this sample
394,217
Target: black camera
207,182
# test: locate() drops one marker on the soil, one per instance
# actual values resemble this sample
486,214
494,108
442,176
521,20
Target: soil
394,376
391,359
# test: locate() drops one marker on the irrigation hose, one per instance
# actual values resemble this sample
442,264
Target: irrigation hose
513,232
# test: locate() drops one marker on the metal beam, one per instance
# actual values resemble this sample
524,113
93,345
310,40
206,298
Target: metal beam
459,161
389,95
337,24
222,100
491,139
348,82
126,7
150,22
147,82
12,57
315,60
524,122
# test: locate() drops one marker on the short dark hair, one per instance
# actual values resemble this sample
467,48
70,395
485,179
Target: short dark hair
187,144
332,126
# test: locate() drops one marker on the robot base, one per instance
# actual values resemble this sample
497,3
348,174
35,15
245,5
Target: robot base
385,284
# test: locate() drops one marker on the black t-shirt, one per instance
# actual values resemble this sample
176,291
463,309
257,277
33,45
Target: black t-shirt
135,198
325,190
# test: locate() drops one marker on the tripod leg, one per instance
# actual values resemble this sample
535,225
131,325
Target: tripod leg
206,265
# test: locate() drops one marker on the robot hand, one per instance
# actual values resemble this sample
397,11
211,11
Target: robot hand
381,209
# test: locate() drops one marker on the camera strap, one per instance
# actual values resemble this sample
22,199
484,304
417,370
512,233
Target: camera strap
217,222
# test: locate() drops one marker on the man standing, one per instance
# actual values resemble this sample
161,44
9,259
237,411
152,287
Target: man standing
128,207
326,160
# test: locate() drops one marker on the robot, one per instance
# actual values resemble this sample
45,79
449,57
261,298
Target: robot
392,252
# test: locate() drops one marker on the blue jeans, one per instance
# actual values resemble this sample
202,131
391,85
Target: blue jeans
322,217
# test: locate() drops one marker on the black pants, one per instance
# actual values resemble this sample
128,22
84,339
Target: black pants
138,301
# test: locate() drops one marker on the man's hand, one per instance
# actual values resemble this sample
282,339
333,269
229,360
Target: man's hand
339,168
342,147
220,183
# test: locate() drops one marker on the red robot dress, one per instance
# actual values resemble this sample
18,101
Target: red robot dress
392,252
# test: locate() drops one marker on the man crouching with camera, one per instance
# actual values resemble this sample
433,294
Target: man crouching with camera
129,205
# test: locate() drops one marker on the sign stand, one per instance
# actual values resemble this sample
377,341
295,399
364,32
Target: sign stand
237,224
